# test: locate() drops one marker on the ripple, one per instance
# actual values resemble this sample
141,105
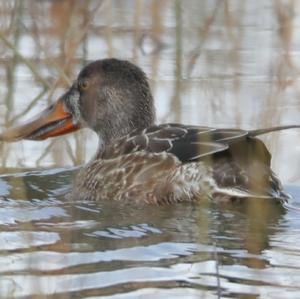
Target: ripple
13,215
134,231
28,285
280,277
198,275
25,239
149,293
49,260
71,225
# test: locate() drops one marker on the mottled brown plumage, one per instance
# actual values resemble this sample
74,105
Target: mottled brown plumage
173,162
147,163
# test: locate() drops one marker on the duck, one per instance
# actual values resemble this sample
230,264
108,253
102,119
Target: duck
140,161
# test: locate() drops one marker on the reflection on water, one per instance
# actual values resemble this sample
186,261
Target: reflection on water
210,62
53,246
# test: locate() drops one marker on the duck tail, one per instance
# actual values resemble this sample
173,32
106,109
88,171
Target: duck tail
254,133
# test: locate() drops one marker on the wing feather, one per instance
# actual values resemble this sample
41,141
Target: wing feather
187,143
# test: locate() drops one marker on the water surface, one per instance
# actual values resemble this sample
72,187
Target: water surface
50,245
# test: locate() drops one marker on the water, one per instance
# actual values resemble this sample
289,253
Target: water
210,62
50,245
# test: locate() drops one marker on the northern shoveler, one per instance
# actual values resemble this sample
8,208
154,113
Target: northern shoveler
140,161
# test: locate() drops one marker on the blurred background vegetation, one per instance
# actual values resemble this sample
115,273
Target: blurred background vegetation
220,63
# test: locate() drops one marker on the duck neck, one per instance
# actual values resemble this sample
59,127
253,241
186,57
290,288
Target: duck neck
111,130
107,140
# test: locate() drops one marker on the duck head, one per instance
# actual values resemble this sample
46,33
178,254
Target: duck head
110,96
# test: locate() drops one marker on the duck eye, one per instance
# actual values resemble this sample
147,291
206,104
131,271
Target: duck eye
83,85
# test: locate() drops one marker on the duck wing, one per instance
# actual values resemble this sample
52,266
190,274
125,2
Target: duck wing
187,143
193,143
